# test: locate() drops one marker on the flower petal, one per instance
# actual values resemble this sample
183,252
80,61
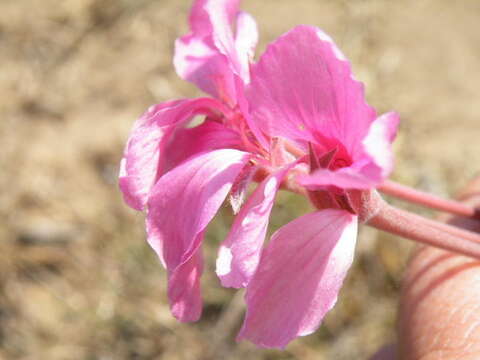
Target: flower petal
245,42
299,277
378,142
210,56
184,292
240,252
184,201
223,13
353,177
201,63
321,96
373,166
143,159
210,135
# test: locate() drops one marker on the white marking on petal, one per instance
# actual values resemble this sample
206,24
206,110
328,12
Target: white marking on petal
224,261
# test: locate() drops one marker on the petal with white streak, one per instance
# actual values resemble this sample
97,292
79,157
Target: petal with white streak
181,205
240,252
298,278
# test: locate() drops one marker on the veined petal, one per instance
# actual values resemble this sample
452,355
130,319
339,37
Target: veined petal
240,252
298,278
144,158
298,97
184,201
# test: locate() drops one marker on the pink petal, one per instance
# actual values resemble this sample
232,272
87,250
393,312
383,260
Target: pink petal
144,157
299,277
245,42
210,135
201,15
184,289
353,177
215,18
222,14
240,252
202,64
378,142
374,163
184,201
210,56
303,86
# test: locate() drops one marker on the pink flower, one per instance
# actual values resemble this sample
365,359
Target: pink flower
298,118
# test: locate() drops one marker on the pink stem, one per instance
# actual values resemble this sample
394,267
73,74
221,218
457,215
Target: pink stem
428,200
426,231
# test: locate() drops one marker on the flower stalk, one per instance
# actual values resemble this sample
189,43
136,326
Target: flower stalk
426,231
428,200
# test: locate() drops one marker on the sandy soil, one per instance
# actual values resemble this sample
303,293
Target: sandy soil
77,280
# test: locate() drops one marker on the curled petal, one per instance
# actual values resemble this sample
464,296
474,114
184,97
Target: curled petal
184,201
298,278
144,156
210,135
222,14
209,16
240,252
186,198
211,56
198,62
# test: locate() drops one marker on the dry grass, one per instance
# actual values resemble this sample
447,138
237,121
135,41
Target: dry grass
77,279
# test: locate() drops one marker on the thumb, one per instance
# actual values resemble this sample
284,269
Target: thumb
440,301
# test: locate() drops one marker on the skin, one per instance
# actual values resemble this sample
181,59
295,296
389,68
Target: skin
439,315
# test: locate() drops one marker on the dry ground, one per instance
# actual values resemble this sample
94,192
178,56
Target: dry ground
77,280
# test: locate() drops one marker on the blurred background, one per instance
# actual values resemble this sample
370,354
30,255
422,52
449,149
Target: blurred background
77,279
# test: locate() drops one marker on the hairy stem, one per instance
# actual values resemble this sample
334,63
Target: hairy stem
426,231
